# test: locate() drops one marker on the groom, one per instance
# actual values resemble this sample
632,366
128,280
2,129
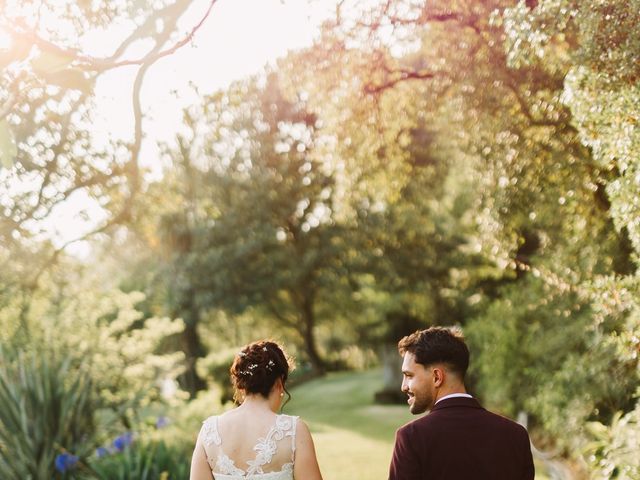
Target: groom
458,439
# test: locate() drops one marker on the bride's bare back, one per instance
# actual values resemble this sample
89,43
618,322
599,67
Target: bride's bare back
252,441
237,446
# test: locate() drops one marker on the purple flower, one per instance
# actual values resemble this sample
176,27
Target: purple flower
162,422
101,452
123,441
65,461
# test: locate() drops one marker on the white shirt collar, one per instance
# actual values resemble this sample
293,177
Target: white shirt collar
454,395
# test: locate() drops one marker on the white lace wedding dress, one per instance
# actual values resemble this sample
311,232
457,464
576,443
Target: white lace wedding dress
260,468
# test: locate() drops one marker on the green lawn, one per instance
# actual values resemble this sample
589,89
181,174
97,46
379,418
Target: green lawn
353,437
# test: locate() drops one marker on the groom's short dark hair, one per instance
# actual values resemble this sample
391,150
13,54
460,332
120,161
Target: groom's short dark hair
438,345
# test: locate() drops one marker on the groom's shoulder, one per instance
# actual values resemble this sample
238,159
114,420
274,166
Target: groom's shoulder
437,423
501,421
417,425
439,418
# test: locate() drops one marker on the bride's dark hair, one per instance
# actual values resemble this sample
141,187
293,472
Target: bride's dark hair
257,367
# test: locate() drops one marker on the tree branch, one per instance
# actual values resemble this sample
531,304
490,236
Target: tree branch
288,321
428,17
401,75
422,19
56,253
149,25
51,166
88,63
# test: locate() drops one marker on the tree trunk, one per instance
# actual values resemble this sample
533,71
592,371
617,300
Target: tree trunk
391,367
308,335
192,348
391,376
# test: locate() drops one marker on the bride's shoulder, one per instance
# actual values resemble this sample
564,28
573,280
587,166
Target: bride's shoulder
285,417
286,422
211,421
302,434
214,421
209,431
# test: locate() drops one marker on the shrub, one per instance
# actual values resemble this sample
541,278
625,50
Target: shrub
46,415
142,461
215,367
613,450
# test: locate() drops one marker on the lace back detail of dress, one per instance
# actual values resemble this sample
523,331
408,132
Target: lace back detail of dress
285,426
210,434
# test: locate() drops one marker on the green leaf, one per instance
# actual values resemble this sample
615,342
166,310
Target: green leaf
8,149
41,413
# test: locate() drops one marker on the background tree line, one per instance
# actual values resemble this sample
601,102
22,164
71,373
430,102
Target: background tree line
423,163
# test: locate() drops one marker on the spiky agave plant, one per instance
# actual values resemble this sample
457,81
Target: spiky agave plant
45,410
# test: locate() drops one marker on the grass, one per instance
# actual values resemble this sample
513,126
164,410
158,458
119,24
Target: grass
353,436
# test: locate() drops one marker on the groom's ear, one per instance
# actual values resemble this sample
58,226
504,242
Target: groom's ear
439,375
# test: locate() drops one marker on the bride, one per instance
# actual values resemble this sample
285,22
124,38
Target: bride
252,441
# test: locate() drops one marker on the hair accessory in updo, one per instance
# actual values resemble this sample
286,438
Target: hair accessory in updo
257,367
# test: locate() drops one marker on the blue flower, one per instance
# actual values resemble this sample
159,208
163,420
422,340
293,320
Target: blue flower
162,422
123,441
101,452
65,461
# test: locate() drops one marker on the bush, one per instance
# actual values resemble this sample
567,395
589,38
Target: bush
143,461
613,450
46,410
215,367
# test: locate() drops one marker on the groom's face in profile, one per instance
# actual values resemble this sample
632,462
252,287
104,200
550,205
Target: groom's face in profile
417,383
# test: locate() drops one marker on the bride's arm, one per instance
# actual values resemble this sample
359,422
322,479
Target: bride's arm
306,464
199,466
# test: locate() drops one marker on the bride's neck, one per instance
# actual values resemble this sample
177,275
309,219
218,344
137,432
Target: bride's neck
257,403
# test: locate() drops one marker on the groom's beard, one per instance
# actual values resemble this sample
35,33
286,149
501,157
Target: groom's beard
420,403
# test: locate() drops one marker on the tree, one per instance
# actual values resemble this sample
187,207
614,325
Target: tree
49,153
496,75
51,156
598,46
262,229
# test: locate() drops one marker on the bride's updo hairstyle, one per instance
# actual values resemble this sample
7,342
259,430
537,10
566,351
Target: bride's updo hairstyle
257,367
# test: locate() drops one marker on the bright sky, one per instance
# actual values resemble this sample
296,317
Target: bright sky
238,39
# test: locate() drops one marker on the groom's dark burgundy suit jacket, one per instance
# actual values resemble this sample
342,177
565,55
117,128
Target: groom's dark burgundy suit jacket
460,440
